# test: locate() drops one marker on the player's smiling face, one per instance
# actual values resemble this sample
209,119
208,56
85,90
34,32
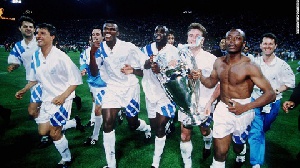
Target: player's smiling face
43,37
97,37
27,29
110,31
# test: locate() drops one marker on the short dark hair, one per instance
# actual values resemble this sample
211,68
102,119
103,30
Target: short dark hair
199,27
111,22
242,33
27,19
269,35
49,27
161,27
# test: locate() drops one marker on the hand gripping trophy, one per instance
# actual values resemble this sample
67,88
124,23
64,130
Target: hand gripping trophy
179,88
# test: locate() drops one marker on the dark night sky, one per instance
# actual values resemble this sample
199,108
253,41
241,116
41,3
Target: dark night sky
65,9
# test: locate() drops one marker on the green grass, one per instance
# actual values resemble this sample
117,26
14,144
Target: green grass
18,142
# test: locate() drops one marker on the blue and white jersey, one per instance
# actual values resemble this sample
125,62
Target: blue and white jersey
110,63
21,54
278,73
152,87
56,73
84,62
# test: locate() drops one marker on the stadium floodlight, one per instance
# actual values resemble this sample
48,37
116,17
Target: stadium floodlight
16,1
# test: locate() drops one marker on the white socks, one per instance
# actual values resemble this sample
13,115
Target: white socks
63,148
93,113
69,124
109,141
158,150
217,164
143,126
186,153
256,166
97,126
208,140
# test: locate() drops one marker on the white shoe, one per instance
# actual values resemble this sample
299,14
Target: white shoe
147,135
256,166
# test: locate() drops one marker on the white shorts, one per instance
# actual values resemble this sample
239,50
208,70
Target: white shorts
36,93
98,94
226,122
164,107
128,97
56,114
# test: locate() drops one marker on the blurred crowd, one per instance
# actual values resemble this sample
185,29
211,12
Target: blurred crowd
74,34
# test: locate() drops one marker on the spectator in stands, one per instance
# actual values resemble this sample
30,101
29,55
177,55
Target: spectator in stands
221,51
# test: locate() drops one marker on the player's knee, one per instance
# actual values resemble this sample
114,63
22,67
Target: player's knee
33,112
185,137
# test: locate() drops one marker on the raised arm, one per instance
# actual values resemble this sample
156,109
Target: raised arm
93,65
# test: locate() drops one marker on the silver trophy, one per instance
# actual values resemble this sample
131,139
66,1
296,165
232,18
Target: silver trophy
179,88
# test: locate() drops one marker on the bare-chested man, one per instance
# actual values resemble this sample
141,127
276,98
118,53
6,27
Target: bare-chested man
234,113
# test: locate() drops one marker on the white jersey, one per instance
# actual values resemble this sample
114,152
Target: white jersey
21,54
110,63
152,87
250,56
205,62
278,73
56,73
84,59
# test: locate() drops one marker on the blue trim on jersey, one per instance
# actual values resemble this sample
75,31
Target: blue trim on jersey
17,51
36,94
96,81
84,66
37,61
102,52
149,50
21,48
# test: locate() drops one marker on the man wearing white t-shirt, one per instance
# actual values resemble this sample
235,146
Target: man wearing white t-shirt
281,77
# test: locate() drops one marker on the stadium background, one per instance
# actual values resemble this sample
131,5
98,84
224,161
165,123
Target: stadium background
137,20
